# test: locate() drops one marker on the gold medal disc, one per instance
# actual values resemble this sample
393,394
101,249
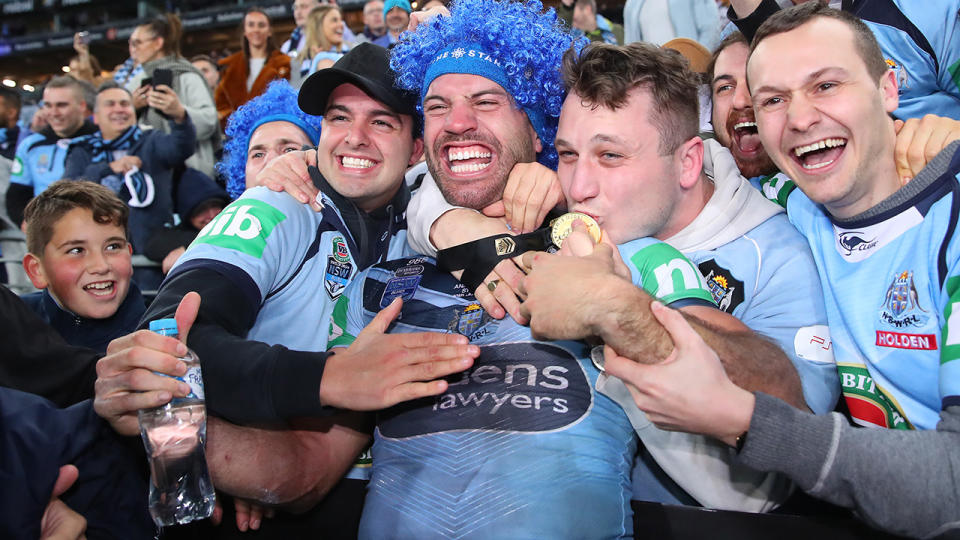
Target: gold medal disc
563,225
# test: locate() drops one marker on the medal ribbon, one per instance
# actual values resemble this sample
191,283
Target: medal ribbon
478,258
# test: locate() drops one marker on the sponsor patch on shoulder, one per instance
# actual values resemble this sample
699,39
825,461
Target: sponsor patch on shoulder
813,343
242,226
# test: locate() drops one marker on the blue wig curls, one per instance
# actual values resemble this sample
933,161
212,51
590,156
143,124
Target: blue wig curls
278,103
519,38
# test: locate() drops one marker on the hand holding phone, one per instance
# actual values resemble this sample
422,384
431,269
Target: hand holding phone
162,76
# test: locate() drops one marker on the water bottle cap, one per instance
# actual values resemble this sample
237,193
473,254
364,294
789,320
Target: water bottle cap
164,326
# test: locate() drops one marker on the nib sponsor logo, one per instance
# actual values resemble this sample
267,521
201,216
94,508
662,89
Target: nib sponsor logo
518,387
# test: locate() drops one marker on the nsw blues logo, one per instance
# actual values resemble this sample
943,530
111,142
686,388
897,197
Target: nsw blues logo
901,305
337,275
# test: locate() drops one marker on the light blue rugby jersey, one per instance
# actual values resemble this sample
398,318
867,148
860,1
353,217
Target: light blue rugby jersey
768,280
921,43
521,445
290,261
891,280
39,161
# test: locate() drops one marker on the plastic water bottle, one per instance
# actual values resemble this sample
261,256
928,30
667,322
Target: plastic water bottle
174,436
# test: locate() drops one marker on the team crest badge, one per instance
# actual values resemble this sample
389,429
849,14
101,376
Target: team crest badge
472,322
901,305
726,290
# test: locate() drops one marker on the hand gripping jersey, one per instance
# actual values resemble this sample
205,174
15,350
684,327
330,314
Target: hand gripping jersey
520,446
759,269
891,280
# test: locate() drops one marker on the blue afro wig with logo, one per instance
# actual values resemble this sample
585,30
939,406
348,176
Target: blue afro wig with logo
277,104
518,45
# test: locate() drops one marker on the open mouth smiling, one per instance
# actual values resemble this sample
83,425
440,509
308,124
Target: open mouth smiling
468,159
819,154
100,288
746,137
356,163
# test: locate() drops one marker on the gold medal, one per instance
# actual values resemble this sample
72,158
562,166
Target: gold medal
561,227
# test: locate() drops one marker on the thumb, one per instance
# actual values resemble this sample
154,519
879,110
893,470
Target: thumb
897,125
496,209
382,321
310,156
682,334
187,313
67,476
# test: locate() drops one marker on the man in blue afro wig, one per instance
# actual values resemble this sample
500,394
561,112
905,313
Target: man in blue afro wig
263,128
490,87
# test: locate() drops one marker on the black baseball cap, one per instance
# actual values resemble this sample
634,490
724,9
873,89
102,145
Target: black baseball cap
366,66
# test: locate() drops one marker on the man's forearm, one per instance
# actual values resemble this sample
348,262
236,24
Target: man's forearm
752,362
291,468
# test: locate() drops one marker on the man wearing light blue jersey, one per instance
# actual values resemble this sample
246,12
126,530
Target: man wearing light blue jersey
888,260
40,157
755,263
509,435
920,42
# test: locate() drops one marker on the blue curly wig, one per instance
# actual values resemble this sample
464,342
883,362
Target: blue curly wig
522,40
278,103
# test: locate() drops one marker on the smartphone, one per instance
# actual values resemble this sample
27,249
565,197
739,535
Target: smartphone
163,76
84,37
147,81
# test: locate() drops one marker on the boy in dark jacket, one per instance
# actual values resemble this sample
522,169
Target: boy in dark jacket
79,255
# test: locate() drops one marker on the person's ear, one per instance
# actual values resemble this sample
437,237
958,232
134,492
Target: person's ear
890,90
417,152
34,268
690,159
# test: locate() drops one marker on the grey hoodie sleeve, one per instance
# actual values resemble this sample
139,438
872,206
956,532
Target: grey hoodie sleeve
906,482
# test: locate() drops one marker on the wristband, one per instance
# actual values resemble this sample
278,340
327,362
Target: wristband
741,440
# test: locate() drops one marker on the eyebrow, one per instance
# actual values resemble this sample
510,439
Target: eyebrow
723,77
281,141
598,138
807,80
374,112
72,242
493,90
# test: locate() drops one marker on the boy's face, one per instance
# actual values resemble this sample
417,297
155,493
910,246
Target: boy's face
86,265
